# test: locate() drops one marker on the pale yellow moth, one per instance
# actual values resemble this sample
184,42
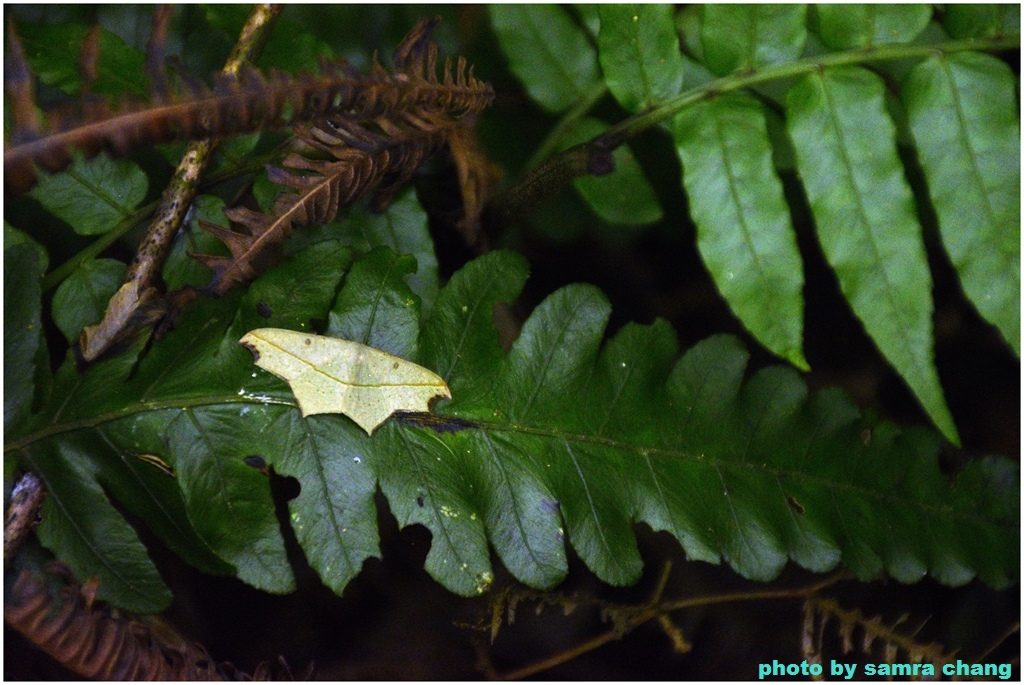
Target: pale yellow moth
335,376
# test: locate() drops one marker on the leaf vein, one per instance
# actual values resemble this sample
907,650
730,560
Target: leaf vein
325,494
880,266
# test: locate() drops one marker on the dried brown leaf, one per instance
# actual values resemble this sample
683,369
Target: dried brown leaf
374,147
97,641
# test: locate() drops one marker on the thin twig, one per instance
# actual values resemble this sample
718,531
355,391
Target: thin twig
139,289
657,609
22,514
143,213
791,593
659,588
634,125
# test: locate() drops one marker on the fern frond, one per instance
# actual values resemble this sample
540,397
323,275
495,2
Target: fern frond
960,105
375,145
249,102
318,197
98,641
876,637
560,441
415,64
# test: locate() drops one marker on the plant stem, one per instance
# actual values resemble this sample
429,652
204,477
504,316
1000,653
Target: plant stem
561,657
59,274
789,593
22,514
128,307
54,429
184,184
882,53
565,124
1015,628
561,169
657,608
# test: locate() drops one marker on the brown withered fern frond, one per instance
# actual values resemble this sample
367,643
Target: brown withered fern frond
318,197
872,637
251,102
96,641
372,148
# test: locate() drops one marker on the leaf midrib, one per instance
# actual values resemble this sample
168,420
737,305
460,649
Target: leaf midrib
964,135
644,451
879,265
151,496
748,231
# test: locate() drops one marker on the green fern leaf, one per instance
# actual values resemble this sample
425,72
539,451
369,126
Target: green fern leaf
403,228
14,236
867,220
743,37
569,438
864,211
857,26
376,293
639,53
54,51
81,523
551,55
560,440
23,330
82,298
744,231
93,195
980,20
972,163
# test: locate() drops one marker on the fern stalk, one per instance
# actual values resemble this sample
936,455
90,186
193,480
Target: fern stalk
138,292
883,53
565,124
563,168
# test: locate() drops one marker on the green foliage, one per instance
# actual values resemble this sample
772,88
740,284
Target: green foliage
13,236
403,228
180,269
639,53
569,441
289,48
866,220
53,53
624,197
93,196
980,20
743,227
856,26
376,287
846,129
567,438
550,54
972,163
82,298
23,334
742,37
